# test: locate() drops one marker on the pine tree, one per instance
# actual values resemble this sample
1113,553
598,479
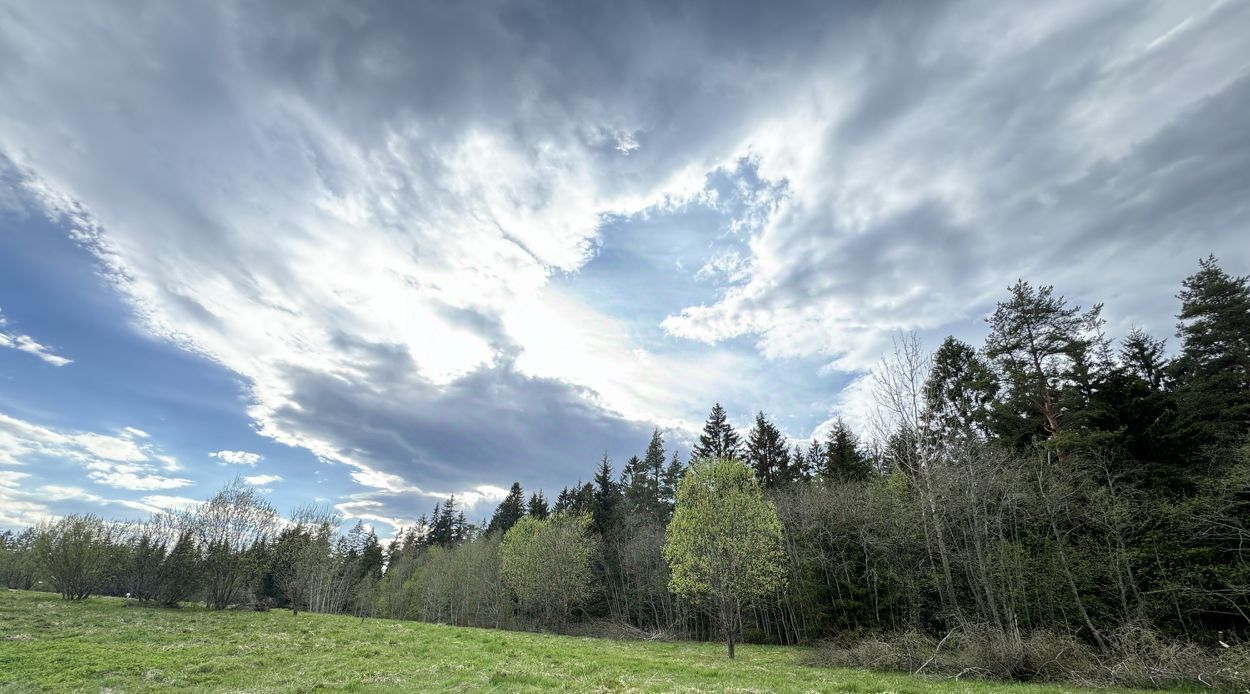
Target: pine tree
767,452
718,440
538,506
510,510
1040,346
1213,369
843,458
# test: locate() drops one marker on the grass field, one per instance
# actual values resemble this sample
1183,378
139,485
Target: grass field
102,645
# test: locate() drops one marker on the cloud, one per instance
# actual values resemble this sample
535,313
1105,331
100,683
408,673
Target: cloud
262,480
28,344
987,146
381,234
237,457
112,460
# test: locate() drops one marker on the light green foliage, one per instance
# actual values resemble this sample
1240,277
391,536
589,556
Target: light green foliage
547,565
51,645
724,543
75,554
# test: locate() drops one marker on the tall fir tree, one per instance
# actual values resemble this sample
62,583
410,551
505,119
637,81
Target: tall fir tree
959,394
843,458
767,452
510,510
718,440
538,506
606,495
1212,371
668,486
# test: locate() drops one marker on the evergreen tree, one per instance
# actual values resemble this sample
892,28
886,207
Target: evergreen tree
538,506
446,526
1213,369
843,458
510,510
606,494
1040,345
959,394
668,485
815,461
767,452
369,565
718,441
799,468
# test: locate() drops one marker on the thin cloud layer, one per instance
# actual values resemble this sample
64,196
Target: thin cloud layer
28,344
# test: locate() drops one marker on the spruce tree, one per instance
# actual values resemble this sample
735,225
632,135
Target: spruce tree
767,452
668,485
843,458
1212,371
510,510
718,440
606,493
538,506
959,394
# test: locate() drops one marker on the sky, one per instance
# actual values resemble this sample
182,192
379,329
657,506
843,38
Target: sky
371,254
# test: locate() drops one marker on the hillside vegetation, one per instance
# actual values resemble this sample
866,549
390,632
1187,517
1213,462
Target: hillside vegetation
48,644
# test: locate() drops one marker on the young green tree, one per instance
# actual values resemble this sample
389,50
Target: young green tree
548,565
76,554
724,544
718,440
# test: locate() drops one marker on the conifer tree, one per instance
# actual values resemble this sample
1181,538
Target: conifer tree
1213,369
1038,343
606,493
510,510
718,440
767,452
843,458
538,506
959,394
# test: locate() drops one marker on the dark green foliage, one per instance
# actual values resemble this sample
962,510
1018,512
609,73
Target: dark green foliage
718,440
538,506
768,453
510,510
1212,371
959,393
1040,345
844,460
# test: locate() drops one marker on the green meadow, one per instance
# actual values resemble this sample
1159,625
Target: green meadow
101,644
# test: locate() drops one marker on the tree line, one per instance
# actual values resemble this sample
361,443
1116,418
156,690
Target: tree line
1051,478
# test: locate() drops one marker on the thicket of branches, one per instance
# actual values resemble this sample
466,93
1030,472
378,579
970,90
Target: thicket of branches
1052,486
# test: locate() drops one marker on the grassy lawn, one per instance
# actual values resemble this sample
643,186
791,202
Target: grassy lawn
100,645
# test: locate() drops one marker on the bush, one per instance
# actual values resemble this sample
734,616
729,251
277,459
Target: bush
1136,656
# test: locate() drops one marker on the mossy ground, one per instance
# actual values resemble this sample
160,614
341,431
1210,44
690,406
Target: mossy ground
47,644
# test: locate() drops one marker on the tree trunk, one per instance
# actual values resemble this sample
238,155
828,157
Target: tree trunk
731,645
